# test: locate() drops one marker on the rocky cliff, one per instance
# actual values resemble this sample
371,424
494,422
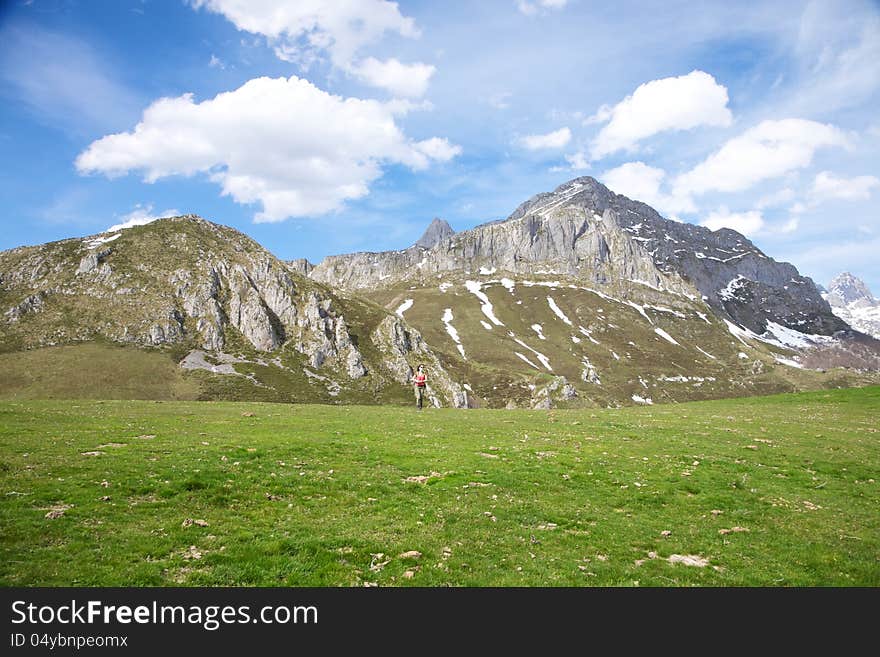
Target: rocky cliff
180,281
585,231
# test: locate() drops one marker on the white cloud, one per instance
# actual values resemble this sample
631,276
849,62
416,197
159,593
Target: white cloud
578,161
279,142
140,216
438,148
679,103
747,223
302,32
790,226
216,62
826,186
641,182
408,80
768,150
340,28
531,8
555,139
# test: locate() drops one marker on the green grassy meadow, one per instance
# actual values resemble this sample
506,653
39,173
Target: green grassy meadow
778,491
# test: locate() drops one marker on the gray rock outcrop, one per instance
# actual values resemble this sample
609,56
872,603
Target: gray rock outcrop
558,389
301,266
91,261
403,348
437,231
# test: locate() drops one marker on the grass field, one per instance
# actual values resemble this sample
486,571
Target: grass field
762,491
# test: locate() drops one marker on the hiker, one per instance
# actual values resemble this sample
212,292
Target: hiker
420,380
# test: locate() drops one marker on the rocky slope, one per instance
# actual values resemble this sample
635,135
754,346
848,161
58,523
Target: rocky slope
584,230
188,282
852,301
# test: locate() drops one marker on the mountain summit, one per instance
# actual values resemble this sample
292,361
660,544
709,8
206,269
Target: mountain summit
849,289
437,231
584,230
852,301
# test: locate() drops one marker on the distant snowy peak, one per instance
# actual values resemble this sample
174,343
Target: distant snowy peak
849,289
852,301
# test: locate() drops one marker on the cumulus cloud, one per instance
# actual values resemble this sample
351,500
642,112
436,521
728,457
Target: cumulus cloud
304,31
555,139
679,103
408,80
768,150
280,142
531,8
438,148
641,182
747,223
827,186
140,216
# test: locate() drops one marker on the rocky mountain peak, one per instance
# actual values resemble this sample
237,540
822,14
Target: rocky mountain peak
849,288
584,190
437,231
587,232
852,301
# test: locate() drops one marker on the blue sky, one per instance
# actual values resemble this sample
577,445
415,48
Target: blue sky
327,127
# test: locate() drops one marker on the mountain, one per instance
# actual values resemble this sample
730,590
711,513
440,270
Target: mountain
220,304
852,301
584,231
437,231
580,298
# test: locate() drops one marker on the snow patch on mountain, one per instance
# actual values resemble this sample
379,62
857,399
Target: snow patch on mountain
541,357
733,287
663,334
451,330
558,311
475,288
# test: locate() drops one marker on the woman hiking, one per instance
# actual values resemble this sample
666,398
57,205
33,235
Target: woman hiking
420,380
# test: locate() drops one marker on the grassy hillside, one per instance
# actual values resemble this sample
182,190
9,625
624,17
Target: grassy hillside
94,370
771,491
103,370
637,341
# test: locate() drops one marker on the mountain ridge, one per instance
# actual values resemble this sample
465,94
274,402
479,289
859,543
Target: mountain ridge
583,229
556,305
